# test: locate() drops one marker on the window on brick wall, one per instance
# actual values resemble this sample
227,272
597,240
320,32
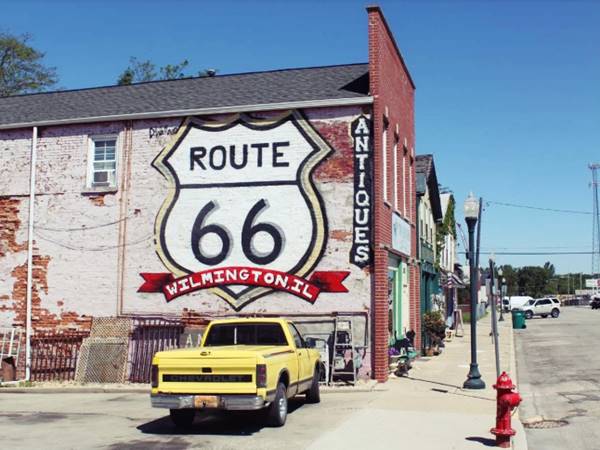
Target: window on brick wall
396,174
404,183
384,159
411,172
102,166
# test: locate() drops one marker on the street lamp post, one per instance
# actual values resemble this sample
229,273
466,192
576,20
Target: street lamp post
471,210
501,293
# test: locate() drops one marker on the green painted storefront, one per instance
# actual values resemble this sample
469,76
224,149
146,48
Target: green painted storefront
398,299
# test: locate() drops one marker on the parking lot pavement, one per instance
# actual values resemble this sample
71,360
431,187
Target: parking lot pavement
559,378
126,421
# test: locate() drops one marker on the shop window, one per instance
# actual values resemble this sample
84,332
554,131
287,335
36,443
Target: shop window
102,162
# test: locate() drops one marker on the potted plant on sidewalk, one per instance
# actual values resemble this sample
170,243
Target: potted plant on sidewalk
435,331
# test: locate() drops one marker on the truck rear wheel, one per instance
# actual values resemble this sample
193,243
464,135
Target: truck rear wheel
277,411
182,418
313,395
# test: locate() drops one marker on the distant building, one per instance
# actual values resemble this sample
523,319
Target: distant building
429,214
450,271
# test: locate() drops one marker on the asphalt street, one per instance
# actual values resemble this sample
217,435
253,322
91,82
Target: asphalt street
558,365
126,421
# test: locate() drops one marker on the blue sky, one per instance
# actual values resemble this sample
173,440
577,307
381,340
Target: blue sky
508,93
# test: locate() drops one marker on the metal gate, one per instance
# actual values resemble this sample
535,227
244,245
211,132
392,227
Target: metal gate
151,335
54,355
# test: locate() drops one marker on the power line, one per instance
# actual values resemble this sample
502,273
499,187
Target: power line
92,249
537,208
595,221
84,227
492,248
534,253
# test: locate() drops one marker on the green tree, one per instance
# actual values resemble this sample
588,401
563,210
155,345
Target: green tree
549,269
510,274
21,68
174,71
533,280
448,226
139,71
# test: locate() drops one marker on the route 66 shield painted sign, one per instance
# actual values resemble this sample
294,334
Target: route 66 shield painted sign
241,194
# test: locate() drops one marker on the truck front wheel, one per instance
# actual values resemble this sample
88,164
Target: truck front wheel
278,409
182,418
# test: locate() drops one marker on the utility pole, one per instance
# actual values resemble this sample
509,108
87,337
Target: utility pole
595,221
478,236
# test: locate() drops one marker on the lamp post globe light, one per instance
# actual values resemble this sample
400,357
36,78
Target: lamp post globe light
501,282
471,211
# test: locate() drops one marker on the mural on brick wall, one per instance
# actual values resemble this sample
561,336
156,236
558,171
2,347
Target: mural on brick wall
243,217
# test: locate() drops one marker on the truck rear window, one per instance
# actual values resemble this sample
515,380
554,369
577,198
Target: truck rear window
245,334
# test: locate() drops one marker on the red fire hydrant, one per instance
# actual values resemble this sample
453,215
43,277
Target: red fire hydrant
506,401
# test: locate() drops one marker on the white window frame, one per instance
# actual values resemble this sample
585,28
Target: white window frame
385,164
91,155
396,174
404,181
411,171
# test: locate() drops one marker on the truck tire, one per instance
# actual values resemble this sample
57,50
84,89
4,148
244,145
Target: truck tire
528,314
555,313
182,418
313,395
277,411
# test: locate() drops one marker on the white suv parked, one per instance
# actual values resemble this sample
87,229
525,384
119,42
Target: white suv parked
544,307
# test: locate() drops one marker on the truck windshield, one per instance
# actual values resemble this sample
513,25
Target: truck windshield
245,334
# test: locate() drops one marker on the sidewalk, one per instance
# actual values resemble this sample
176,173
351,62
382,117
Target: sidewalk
429,409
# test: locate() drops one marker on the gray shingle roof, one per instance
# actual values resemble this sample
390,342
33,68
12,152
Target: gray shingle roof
423,164
426,176
279,86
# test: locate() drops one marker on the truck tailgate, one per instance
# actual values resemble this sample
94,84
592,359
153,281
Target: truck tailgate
208,375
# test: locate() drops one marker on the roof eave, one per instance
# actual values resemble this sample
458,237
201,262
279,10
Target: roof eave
322,103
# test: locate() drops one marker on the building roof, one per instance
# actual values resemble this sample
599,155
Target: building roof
170,97
426,177
423,164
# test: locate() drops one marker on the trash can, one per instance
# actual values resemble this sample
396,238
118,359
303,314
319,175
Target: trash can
518,319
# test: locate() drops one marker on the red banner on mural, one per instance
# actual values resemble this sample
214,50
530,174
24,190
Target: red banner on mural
307,289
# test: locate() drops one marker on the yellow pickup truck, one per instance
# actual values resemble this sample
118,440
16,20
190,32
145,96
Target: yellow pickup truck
241,364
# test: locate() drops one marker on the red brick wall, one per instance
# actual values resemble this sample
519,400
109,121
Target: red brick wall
393,92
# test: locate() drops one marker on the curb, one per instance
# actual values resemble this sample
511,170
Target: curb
74,390
519,442
368,387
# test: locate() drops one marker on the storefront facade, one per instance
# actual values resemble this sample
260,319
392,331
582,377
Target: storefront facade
216,197
450,271
429,219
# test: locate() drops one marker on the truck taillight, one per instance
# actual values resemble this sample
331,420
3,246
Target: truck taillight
154,378
261,375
